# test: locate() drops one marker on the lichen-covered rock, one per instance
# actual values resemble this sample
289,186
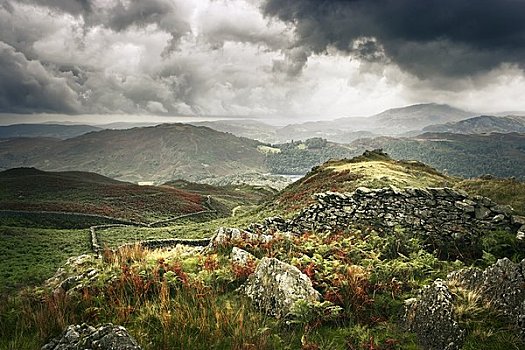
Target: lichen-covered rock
275,286
241,257
85,337
431,317
229,236
73,273
502,285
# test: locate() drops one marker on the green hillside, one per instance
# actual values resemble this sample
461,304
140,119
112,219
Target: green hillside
374,169
501,155
160,153
29,189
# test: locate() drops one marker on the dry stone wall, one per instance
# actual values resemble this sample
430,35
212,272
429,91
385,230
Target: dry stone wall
445,219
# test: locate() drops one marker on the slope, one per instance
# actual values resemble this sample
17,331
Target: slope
373,169
480,125
502,155
159,153
29,189
58,131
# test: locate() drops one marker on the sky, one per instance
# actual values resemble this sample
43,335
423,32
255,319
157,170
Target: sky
296,59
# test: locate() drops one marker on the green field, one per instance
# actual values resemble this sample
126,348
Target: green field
31,255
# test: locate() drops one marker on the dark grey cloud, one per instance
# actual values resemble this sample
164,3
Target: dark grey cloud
428,38
164,13
74,7
27,86
257,57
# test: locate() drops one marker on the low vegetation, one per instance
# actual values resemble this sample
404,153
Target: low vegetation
29,189
373,169
31,255
188,297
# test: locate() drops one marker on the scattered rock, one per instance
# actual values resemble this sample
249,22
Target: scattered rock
482,212
518,220
431,317
241,256
72,273
232,236
501,284
85,337
275,286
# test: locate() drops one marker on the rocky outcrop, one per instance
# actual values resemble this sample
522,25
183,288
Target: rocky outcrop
225,236
85,337
70,276
430,316
275,286
502,285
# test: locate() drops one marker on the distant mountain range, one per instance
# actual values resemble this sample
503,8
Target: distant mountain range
58,131
448,140
480,125
391,122
405,121
416,117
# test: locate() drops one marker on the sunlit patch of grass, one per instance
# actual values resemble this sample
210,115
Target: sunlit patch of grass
389,172
503,191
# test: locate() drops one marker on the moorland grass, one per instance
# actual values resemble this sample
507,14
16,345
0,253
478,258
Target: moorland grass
503,191
30,255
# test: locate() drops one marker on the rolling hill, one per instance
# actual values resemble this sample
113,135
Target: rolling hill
481,125
30,189
374,169
58,131
502,155
160,153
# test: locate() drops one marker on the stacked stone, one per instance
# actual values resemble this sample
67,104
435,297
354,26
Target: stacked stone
440,217
423,209
270,225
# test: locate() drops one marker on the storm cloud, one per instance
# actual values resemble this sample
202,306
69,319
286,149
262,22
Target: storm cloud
427,38
27,85
299,59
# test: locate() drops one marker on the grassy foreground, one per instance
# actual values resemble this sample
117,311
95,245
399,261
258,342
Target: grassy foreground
184,298
31,255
